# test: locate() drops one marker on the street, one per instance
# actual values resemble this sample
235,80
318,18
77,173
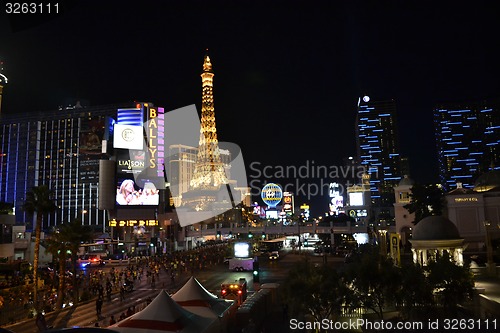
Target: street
84,315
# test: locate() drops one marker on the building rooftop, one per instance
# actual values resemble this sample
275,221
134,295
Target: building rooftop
487,181
435,228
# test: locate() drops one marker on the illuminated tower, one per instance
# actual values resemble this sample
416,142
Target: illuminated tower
209,170
467,141
377,144
3,81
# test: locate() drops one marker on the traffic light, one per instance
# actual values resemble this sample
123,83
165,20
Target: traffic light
218,235
263,235
250,235
256,272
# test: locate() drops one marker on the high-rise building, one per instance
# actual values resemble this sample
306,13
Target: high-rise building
60,149
378,148
467,140
3,82
182,160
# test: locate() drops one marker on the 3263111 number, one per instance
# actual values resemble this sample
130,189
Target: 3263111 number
31,8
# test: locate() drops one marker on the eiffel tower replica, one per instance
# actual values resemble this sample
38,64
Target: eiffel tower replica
209,174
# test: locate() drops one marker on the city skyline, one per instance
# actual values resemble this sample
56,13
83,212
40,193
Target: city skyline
289,71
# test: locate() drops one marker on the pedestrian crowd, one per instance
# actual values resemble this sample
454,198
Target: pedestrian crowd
122,280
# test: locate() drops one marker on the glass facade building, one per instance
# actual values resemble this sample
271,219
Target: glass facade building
467,140
60,149
378,148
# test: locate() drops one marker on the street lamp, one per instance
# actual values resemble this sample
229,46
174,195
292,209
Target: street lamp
383,241
491,265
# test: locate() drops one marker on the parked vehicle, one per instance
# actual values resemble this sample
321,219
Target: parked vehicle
241,264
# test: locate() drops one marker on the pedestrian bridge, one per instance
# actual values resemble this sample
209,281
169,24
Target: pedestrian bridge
203,230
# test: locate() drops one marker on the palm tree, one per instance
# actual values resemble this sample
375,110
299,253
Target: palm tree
74,234
58,250
40,201
67,239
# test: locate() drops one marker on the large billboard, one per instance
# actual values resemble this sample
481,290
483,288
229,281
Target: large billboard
336,204
128,136
139,156
132,193
356,199
136,183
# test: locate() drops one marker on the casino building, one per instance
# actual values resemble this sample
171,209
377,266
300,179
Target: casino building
107,166
61,149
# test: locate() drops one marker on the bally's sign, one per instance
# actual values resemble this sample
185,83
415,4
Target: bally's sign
155,133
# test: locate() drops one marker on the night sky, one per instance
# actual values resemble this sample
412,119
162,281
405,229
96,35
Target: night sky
287,74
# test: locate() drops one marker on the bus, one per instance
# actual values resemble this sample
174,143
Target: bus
272,245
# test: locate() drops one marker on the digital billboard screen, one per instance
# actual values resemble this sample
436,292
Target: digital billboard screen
356,199
129,193
241,250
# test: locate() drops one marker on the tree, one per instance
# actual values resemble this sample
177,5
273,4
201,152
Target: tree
426,200
453,284
58,251
6,208
67,239
315,290
415,294
374,280
40,201
73,234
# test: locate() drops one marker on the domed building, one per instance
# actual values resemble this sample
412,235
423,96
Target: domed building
472,209
488,181
433,236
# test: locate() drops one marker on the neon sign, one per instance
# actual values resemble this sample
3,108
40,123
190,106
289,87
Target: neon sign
133,223
271,194
156,136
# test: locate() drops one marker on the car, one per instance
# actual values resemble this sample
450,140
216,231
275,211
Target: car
274,255
226,259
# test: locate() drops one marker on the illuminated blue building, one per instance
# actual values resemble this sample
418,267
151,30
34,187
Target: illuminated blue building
378,150
61,149
467,139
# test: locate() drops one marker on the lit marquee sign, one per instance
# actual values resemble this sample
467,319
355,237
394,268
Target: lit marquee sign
271,194
156,138
472,199
133,223
305,210
358,213
336,200
288,202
